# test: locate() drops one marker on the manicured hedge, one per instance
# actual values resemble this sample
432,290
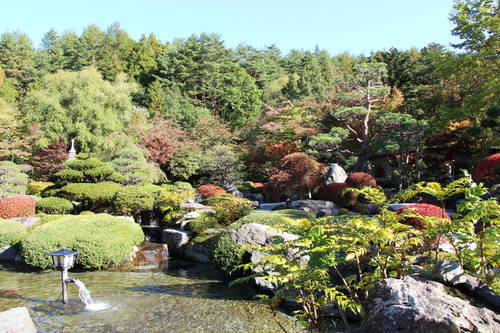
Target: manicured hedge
484,169
423,210
360,180
9,231
104,241
54,205
210,191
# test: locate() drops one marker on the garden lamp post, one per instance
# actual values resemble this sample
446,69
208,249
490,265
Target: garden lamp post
63,260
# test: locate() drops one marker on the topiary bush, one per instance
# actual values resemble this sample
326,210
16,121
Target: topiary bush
210,191
9,231
36,188
82,165
17,206
359,208
422,210
132,200
54,205
68,176
203,222
484,169
95,197
360,180
103,240
225,254
333,192
98,174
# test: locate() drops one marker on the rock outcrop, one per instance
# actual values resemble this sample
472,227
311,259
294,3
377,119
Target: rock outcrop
319,208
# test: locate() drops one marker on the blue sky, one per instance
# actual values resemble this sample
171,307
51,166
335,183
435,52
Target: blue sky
356,26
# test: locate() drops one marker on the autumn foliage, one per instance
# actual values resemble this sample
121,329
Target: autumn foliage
333,192
484,169
422,210
17,206
297,173
360,180
210,191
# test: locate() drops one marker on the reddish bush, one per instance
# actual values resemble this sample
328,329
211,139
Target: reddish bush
17,206
422,210
333,192
360,180
484,169
210,191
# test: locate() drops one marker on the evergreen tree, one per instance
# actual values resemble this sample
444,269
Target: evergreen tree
142,62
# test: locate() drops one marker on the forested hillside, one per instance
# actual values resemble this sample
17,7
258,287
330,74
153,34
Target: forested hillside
197,108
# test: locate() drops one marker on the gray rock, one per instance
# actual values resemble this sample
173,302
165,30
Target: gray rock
450,272
335,174
197,252
258,234
175,239
254,197
233,190
7,253
412,305
16,320
319,208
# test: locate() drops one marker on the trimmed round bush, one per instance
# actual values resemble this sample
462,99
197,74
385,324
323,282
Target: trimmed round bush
203,222
134,199
103,240
54,205
9,231
422,210
69,176
98,174
360,180
333,192
93,196
87,164
484,169
36,188
17,206
210,191
225,254
359,208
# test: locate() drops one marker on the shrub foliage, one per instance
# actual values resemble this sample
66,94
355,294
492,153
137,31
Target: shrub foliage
335,192
421,209
17,206
360,180
103,240
210,191
54,205
9,231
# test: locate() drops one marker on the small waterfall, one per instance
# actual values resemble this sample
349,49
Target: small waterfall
85,297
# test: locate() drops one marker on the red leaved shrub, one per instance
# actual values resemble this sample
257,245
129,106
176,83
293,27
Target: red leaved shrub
484,169
333,192
17,206
210,191
361,179
422,210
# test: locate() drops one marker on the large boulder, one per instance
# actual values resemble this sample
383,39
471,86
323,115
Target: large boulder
176,240
414,305
335,174
16,320
319,208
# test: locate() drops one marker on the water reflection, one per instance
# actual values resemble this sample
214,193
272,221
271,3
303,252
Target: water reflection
188,299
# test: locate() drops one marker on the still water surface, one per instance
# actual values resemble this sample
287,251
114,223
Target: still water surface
188,299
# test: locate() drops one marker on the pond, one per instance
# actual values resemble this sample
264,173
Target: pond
190,298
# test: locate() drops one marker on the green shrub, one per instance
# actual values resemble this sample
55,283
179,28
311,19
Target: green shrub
229,211
225,254
98,174
82,165
69,176
17,206
359,208
117,178
134,199
9,231
86,212
203,222
95,197
54,205
12,180
103,240
36,188
334,192
273,218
